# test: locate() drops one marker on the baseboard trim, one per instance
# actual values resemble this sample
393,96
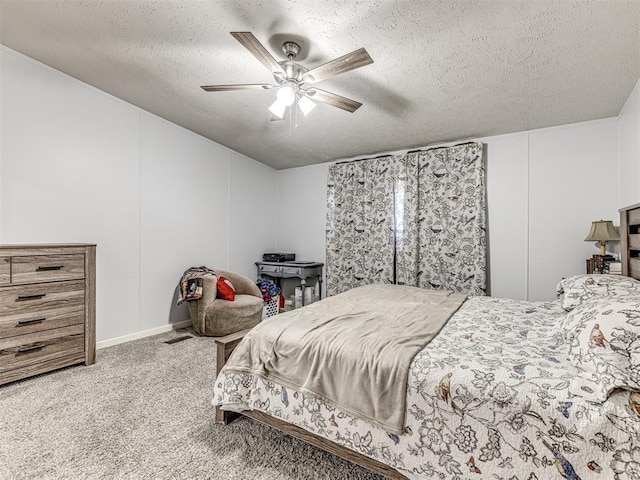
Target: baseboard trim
144,333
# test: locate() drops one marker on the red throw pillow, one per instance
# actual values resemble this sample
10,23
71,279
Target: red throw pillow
226,290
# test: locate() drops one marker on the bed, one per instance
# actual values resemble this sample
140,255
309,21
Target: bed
506,390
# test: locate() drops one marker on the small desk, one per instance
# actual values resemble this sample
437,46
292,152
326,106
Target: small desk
301,270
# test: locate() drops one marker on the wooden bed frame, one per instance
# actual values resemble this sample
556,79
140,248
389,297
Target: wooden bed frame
630,258
630,240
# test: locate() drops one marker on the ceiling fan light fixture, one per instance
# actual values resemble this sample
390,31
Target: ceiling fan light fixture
290,76
278,108
306,105
286,95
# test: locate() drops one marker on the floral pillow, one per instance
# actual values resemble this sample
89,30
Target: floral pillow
575,290
604,345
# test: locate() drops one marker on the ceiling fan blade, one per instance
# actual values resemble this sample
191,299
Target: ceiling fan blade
252,44
333,99
350,61
238,86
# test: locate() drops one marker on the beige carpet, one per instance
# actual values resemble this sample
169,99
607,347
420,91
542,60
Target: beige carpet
143,411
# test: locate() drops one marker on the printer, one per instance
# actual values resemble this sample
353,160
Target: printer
278,257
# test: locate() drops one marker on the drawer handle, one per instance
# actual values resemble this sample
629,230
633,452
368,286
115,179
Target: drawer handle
47,268
33,321
32,348
33,296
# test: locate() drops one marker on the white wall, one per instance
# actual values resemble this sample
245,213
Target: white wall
629,138
507,215
183,214
572,182
302,196
79,165
541,200
70,173
252,213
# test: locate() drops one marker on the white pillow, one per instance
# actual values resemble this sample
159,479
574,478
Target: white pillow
577,289
604,345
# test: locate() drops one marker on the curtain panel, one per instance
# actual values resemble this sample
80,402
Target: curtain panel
360,239
414,219
451,220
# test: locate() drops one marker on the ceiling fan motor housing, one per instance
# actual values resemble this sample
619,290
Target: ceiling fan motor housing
293,71
291,49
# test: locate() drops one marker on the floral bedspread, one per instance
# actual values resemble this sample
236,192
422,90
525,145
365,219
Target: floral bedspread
488,398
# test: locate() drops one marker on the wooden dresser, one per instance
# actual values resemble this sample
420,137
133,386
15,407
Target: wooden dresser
47,308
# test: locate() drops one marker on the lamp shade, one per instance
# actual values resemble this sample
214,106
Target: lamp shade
306,105
602,231
278,108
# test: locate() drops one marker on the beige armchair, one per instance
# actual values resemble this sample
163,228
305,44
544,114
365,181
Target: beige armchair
216,317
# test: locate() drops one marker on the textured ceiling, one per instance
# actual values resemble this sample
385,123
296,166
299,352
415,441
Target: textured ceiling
442,71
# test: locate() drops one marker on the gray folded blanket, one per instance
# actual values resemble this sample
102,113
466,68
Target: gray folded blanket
352,350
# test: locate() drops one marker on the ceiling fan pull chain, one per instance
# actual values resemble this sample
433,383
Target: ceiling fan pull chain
295,107
290,121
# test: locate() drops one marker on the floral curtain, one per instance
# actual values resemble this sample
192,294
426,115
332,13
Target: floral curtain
414,219
451,223
360,238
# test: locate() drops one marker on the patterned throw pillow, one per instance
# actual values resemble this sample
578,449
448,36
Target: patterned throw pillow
604,345
226,290
580,288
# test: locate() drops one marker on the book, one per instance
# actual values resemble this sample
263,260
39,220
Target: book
599,263
615,268
602,262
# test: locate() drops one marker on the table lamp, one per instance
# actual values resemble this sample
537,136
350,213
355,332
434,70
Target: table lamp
602,231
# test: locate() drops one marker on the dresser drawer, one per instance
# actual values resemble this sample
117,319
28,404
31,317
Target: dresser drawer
270,269
24,323
291,270
43,366
23,350
46,268
5,270
28,299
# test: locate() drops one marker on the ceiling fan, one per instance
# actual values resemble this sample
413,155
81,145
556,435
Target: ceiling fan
291,77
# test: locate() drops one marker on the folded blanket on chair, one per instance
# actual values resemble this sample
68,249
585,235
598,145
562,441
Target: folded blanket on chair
191,283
